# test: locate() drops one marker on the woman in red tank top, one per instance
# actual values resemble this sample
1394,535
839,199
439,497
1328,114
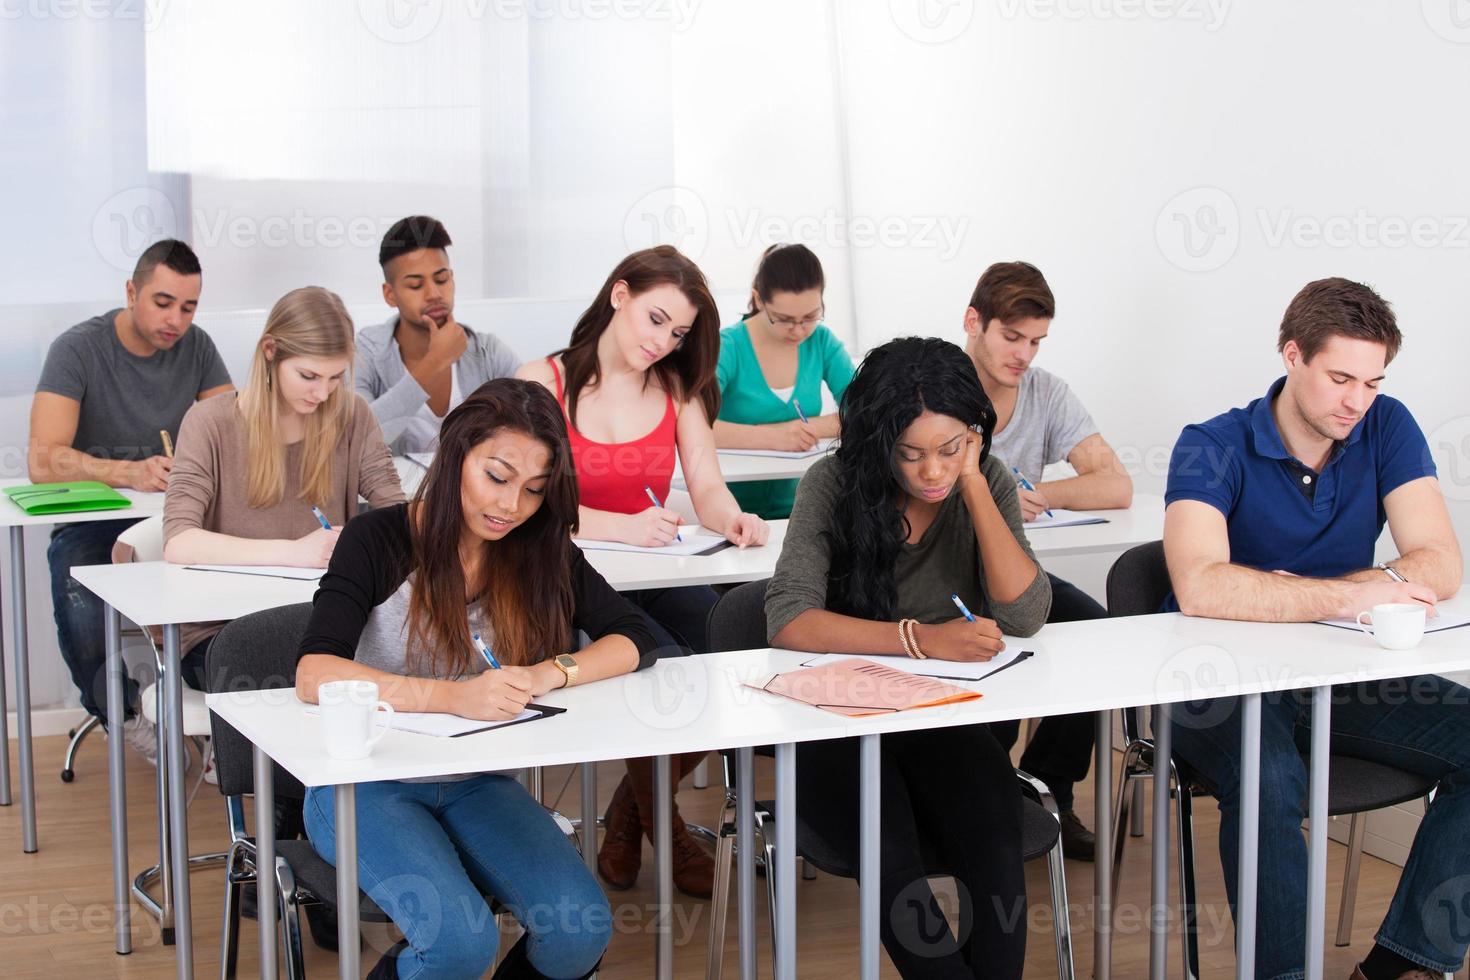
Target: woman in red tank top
637,384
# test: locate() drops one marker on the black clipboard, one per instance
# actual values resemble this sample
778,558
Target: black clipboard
1021,657
546,711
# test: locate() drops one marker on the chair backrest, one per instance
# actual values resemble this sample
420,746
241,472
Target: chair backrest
1138,583
255,652
738,619
141,542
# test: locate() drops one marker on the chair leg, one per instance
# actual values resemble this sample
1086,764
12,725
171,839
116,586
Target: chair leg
1357,833
1061,921
1135,829
1128,777
229,939
768,847
720,901
1188,893
77,736
165,847
290,901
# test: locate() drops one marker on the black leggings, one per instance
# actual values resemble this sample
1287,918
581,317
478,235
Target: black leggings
954,789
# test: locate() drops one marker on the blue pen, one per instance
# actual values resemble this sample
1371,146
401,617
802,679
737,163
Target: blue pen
1025,483
960,603
654,497
797,405
485,652
317,513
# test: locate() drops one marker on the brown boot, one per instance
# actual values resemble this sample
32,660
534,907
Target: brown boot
694,869
621,854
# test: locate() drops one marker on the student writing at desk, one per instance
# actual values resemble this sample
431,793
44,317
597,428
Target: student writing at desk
109,386
913,508
485,547
637,384
1272,512
772,366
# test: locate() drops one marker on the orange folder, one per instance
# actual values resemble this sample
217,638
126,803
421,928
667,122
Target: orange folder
857,687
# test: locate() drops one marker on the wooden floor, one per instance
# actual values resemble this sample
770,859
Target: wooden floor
55,905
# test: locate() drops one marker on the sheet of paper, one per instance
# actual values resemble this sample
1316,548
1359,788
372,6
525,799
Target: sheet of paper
694,543
1064,518
439,724
821,447
945,669
267,571
1444,621
423,459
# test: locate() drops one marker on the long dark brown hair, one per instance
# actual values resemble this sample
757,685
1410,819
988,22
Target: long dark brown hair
525,589
686,373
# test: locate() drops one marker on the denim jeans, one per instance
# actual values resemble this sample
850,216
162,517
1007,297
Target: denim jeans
1060,752
429,853
79,621
1420,724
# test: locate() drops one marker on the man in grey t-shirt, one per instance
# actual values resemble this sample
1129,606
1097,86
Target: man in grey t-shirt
1040,421
109,388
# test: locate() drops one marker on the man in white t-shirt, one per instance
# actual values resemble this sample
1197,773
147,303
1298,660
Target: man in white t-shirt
1040,421
421,363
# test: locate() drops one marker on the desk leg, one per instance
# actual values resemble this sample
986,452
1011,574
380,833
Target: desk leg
1158,940
122,909
589,816
785,869
1250,828
1317,838
1102,870
349,966
869,828
5,799
745,856
663,833
19,643
265,861
178,799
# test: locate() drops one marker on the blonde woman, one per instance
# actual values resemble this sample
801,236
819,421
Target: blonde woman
251,466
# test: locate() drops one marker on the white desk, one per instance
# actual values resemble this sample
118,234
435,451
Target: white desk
1138,524
165,595
17,520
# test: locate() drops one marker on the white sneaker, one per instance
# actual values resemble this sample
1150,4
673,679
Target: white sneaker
142,736
211,774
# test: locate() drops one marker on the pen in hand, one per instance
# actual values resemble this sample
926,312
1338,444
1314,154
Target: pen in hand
1026,485
797,405
321,518
654,497
485,652
960,604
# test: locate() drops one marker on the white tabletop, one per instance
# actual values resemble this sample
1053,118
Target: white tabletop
1140,523
144,505
626,570
700,703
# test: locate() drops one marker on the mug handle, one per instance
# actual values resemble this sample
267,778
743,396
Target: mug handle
378,737
1368,626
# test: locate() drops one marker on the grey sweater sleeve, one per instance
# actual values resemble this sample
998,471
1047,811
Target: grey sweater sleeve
394,406
800,581
1027,612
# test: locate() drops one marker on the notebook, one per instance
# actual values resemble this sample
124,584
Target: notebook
264,571
948,670
821,447
441,725
857,687
694,543
38,499
1064,518
1444,621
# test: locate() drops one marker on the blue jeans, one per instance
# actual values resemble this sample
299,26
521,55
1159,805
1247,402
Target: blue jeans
1420,724
429,853
78,612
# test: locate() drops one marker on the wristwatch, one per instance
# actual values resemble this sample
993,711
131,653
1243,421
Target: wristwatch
1392,572
567,664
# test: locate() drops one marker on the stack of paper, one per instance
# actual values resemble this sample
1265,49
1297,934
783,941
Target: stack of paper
266,571
821,447
1064,518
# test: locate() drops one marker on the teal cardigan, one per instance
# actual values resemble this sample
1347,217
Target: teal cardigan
746,399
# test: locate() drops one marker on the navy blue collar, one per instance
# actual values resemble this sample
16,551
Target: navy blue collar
1266,437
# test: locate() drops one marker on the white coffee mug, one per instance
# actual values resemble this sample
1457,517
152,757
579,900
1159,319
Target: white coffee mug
1395,625
349,711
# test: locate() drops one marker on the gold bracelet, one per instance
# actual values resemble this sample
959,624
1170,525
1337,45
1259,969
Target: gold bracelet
914,639
903,638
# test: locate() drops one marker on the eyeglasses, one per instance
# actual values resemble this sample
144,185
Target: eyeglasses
785,321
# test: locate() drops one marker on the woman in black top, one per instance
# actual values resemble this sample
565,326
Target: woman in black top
484,548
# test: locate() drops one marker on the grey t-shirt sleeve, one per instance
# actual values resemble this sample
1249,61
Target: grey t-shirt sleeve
212,370
65,371
1067,421
501,361
802,570
1025,614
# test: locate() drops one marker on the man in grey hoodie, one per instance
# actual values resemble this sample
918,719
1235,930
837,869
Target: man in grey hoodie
421,363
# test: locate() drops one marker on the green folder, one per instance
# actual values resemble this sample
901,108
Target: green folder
39,499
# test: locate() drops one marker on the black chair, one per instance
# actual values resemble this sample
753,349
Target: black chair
1138,583
738,622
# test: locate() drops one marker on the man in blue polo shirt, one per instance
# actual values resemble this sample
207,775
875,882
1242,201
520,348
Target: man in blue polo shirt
1272,515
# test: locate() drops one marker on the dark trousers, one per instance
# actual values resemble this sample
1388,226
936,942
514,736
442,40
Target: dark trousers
678,617
79,613
938,817
1060,752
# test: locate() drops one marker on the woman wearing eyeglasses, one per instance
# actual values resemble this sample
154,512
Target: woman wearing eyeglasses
772,367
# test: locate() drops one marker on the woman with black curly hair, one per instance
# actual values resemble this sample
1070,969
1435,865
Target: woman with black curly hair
911,510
